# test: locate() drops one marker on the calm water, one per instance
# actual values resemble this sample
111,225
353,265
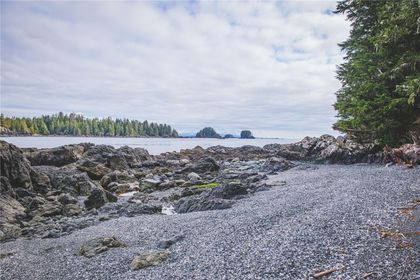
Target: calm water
153,145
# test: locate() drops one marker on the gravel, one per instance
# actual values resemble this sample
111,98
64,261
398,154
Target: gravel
323,217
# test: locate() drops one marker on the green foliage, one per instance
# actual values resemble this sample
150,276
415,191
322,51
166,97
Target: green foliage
381,74
208,132
207,186
246,134
77,125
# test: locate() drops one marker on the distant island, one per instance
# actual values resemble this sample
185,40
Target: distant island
209,132
77,125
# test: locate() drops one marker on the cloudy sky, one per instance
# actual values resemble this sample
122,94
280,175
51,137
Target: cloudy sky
265,66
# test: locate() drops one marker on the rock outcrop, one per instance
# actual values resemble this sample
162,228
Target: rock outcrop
327,149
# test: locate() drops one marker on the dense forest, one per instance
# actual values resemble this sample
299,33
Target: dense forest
380,94
77,125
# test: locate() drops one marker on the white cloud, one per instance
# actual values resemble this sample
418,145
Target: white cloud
266,66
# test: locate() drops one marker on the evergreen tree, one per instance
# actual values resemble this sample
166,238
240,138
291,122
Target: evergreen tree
380,77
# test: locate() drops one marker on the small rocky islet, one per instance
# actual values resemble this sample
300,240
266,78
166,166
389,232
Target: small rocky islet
51,193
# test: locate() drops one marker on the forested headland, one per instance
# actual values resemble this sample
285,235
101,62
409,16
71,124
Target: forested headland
77,125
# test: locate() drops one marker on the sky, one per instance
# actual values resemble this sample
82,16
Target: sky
233,65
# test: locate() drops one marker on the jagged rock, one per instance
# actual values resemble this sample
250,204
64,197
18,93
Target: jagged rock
276,164
70,181
200,203
14,166
95,170
72,210
98,245
11,212
326,149
118,177
48,209
149,258
59,156
6,188
66,198
228,191
98,197
206,164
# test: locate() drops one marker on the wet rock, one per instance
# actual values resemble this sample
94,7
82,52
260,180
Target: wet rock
98,245
149,258
59,156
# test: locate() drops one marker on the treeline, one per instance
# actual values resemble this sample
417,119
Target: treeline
380,94
77,125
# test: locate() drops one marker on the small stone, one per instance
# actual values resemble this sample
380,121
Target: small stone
98,245
149,258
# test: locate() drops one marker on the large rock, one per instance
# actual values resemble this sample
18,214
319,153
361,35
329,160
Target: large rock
11,212
94,169
98,245
229,190
98,198
149,258
276,164
66,180
201,203
203,165
118,177
117,159
14,166
327,149
59,156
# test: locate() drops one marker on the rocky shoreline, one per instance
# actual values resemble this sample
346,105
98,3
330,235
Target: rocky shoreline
49,193
53,193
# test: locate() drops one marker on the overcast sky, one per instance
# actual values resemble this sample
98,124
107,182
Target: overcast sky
265,66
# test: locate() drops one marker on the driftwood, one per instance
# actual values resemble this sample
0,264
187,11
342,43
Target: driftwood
325,273
408,154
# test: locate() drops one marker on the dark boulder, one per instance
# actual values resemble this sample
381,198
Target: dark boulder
201,203
14,166
98,198
11,214
229,191
94,169
65,180
59,156
203,165
276,164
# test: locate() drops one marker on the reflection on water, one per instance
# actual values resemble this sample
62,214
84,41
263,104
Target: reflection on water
153,145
